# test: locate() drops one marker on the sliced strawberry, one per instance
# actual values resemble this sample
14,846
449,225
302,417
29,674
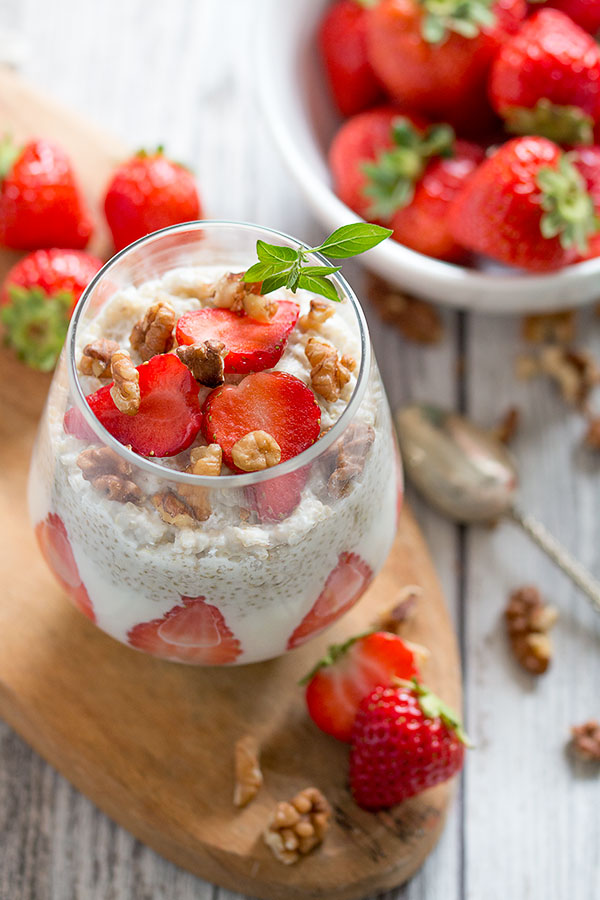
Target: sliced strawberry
275,402
275,500
169,416
252,345
349,672
344,586
194,633
52,538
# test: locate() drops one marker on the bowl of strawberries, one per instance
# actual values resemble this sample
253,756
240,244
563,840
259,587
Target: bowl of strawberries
469,127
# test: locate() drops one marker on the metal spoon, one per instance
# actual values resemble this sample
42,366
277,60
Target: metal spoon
471,477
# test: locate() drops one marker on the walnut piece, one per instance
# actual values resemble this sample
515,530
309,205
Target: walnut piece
126,388
255,451
402,609
248,776
415,319
153,334
586,740
327,375
574,371
205,361
96,358
110,474
351,452
528,621
297,827
172,509
507,427
318,313
546,328
232,293
203,461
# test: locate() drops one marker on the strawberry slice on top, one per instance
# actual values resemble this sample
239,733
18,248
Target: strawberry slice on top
252,345
350,671
274,402
169,416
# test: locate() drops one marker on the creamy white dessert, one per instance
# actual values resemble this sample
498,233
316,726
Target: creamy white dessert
233,588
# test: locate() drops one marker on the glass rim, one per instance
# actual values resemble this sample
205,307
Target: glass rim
223,481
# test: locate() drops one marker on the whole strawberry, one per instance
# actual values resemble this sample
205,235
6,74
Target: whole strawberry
585,13
40,202
546,80
404,740
587,161
434,57
37,299
527,206
146,193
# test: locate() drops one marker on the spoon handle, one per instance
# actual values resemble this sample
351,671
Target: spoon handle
561,556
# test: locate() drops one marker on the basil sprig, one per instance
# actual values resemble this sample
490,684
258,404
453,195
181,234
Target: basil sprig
286,267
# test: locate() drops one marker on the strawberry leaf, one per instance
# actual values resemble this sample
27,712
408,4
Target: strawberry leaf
561,124
466,18
568,207
35,325
9,153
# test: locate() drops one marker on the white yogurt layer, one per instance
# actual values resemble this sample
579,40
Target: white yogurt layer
263,577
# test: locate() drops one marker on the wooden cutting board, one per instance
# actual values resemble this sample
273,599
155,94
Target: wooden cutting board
152,742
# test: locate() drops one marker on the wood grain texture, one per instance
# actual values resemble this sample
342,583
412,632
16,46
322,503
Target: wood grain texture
526,825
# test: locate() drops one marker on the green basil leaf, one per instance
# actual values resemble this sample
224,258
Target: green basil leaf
273,282
320,270
350,240
275,253
262,270
318,285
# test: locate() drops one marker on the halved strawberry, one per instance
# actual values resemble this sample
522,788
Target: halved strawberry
252,345
54,544
169,416
349,672
194,633
275,402
344,586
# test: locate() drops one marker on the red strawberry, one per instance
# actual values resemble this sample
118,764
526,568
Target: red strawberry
546,80
343,45
587,162
435,58
252,345
40,203
37,300
526,206
169,417
344,586
54,544
394,169
275,402
349,672
404,741
148,192
586,13
194,633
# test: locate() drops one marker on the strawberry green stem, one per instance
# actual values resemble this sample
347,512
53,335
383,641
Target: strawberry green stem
35,325
392,177
568,207
561,124
8,155
334,652
435,708
463,17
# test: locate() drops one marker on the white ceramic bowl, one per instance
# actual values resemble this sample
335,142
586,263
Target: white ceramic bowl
296,105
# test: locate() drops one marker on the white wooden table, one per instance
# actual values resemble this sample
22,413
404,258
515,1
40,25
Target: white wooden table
526,824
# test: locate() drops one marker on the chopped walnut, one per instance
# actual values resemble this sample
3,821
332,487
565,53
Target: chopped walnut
575,372
205,361
172,509
526,367
415,319
96,358
528,621
297,827
318,313
203,461
550,328
592,435
255,451
402,610
126,388
248,776
350,454
233,293
327,375
507,427
153,334
586,740
110,474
